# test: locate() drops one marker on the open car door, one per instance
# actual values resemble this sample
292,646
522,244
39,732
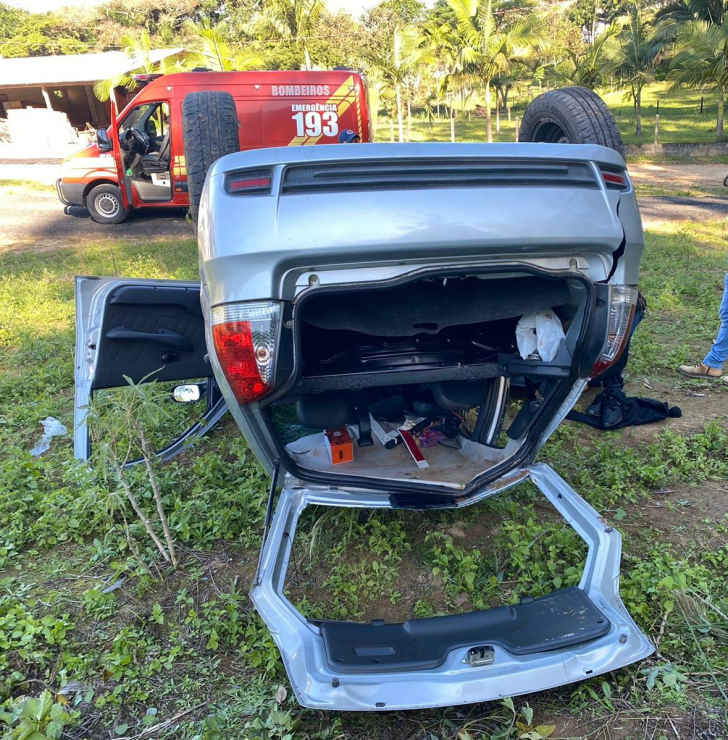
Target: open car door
138,329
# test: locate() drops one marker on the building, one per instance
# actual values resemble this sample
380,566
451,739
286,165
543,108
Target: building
65,83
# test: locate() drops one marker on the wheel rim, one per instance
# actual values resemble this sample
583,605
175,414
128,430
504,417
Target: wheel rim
107,205
550,132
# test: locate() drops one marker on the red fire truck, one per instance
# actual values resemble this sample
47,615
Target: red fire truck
158,148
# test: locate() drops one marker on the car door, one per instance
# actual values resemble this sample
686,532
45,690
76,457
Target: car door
140,329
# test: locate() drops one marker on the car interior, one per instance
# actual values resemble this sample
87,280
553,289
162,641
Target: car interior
144,136
442,364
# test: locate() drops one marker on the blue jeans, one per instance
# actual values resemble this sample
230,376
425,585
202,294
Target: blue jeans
719,351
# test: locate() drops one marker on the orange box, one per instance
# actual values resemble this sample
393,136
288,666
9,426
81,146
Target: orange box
339,445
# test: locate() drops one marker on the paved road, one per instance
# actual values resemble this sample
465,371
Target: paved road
33,218
657,208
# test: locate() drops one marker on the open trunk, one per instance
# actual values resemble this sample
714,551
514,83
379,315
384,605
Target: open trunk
437,356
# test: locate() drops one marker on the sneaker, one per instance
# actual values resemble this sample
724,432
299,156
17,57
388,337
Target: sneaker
700,371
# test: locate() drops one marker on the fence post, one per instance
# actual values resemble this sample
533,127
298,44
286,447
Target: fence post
518,126
497,115
701,104
657,125
452,129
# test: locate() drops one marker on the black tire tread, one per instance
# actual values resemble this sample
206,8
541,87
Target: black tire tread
210,131
581,109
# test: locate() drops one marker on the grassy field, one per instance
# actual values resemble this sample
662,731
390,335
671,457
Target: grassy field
128,648
680,119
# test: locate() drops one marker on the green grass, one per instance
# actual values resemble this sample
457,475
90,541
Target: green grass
188,643
680,119
25,184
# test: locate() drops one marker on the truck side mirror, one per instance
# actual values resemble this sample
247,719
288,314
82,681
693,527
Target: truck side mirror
102,139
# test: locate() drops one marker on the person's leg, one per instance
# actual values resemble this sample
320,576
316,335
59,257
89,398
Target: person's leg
719,351
711,366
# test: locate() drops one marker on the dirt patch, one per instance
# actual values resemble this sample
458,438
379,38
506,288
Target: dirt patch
700,402
686,516
679,176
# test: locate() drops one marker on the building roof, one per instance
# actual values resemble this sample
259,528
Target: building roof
73,68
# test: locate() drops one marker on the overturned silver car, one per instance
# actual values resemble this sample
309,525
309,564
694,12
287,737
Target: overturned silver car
372,294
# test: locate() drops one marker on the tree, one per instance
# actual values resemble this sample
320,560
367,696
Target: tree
138,49
701,60
442,40
682,11
589,68
592,16
40,34
292,20
161,19
397,61
633,53
11,20
216,53
488,50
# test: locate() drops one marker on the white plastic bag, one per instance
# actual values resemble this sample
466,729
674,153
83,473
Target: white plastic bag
540,332
51,428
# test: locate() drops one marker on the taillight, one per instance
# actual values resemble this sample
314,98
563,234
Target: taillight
245,337
615,179
249,182
622,303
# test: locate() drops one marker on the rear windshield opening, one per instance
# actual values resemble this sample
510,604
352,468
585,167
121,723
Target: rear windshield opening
364,565
437,358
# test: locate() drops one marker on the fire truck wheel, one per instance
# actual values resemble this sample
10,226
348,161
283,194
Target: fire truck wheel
210,130
571,115
105,205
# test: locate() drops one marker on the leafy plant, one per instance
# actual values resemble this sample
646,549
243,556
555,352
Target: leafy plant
33,718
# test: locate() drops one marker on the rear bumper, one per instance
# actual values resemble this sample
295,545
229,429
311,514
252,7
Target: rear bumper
70,194
311,661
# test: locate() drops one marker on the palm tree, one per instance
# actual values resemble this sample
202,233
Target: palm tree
216,52
681,11
633,54
442,41
701,60
396,65
489,50
589,68
293,20
139,51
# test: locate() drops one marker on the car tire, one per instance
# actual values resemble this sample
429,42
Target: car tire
210,131
571,115
105,205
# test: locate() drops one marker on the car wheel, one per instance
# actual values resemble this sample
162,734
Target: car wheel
571,115
210,130
105,205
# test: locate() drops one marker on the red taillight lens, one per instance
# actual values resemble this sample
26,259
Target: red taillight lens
249,182
615,179
245,336
622,303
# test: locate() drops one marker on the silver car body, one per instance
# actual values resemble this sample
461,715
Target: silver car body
564,221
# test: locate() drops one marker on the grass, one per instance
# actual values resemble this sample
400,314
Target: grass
680,119
86,604
25,185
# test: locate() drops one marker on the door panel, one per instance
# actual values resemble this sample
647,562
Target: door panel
139,329
151,329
